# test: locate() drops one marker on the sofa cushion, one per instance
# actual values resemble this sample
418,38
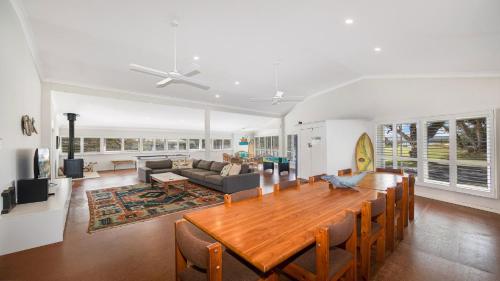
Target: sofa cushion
217,166
214,179
195,163
159,171
245,169
225,170
189,172
203,164
201,175
159,164
235,170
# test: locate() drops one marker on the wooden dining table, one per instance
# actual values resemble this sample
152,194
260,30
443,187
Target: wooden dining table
267,230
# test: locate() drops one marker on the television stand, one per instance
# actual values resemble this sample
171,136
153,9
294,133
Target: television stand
36,224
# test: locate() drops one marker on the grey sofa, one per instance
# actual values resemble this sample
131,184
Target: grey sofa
206,173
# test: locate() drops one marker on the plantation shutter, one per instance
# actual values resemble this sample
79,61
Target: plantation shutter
474,152
436,153
384,146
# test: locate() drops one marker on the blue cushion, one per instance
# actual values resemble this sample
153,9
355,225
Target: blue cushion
345,181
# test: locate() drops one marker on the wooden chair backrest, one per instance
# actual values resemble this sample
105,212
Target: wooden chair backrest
286,184
390,170
316,178
325,236
372,210
345,172
190,248
242,195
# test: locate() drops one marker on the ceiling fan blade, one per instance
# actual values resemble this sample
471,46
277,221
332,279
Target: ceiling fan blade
148,70
259,99
193,82
164,82
294,99
191,70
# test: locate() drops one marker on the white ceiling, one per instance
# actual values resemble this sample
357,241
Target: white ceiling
101,112
92,42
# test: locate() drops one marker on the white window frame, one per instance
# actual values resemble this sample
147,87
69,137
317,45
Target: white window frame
453,163
189,144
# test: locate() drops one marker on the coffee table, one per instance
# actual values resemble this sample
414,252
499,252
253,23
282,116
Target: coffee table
166,179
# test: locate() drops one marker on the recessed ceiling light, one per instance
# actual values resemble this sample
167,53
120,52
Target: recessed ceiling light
196,57
236,82
349,21
217,96
377,49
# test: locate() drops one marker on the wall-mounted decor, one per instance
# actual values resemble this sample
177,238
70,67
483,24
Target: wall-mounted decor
364,153
28,125
244,141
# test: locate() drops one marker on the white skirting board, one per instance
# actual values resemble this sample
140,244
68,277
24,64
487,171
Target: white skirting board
476,202
36,224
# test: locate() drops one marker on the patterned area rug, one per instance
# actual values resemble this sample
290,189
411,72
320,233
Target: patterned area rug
117,206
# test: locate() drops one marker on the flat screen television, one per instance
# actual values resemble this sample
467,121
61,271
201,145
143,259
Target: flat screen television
41,165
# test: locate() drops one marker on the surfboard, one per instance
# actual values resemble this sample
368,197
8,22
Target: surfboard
364,153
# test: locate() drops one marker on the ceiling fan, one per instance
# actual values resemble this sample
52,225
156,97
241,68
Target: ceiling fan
174,75
279,96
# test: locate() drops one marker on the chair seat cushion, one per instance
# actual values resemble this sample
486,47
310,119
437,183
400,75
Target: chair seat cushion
214,179
338,259
232,269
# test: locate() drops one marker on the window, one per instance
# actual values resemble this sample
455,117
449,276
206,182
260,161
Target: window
194,144
172,145
406,147
183,144
147,144
473,153
217,144
456,152
131,144
160,144
91,145
203,144
268,145
385,141
65,144
275,147
227,144
397,147
436,154
113,144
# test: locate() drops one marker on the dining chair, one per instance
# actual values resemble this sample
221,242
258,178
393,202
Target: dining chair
371,231
316,178
242,195
395,215
334,255
390,170
285,184
345,172
199,259
411,197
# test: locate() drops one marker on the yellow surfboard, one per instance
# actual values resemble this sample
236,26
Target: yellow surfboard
364,153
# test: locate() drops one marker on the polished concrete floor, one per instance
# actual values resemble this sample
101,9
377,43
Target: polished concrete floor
445,242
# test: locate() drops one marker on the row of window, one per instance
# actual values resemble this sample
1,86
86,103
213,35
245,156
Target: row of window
268,145
96,145
454,152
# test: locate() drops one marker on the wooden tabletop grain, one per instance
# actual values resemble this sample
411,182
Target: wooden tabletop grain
266,231
380,181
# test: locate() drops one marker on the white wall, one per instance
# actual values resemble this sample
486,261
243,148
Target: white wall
341,139
407,98
104,159
19,95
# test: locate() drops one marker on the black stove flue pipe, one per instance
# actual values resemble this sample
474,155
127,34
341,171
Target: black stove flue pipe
71,140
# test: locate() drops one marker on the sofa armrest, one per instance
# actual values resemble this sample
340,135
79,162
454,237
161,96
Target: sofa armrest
232,184
144,174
